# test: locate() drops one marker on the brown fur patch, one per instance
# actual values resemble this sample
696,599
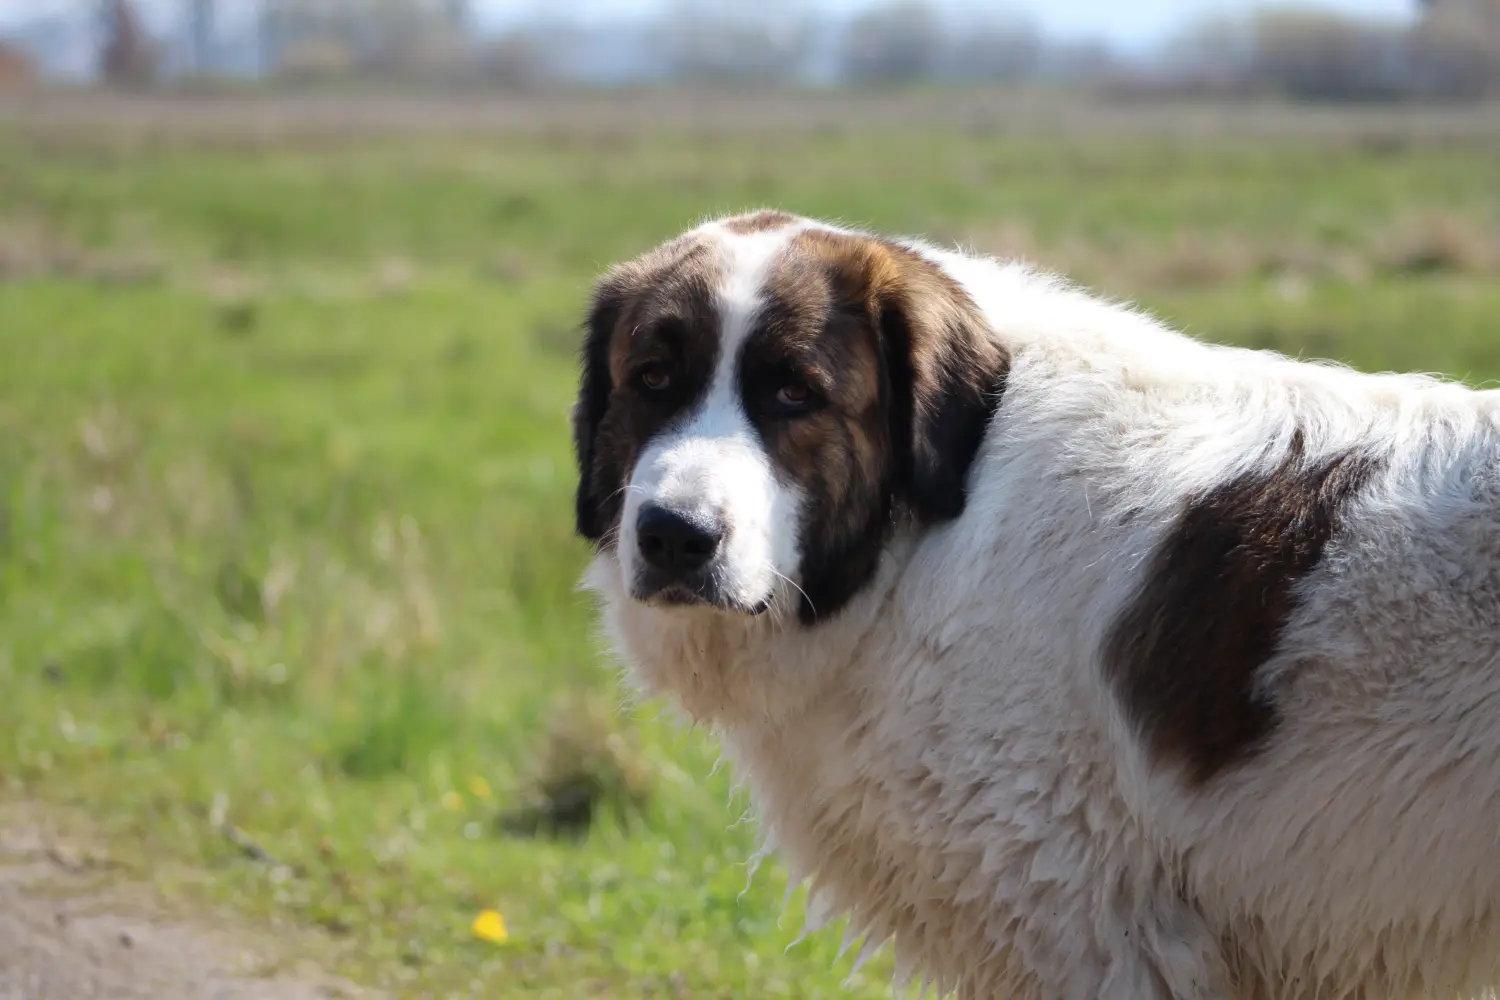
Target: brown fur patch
1218,593
758,222
840,455
656,310
910,377
948,367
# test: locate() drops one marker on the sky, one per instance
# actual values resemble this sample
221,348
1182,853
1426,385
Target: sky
1123,22
1127,23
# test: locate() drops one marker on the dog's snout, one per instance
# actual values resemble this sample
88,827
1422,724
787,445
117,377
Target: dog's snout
674,542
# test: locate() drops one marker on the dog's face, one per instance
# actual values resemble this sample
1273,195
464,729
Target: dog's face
760,399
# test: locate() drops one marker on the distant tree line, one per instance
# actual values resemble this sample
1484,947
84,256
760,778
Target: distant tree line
127,55
295,38
1452,52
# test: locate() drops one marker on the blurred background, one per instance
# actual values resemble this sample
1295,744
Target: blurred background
1361,50
290,292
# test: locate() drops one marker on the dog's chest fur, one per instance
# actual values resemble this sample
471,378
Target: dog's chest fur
913,787
912,824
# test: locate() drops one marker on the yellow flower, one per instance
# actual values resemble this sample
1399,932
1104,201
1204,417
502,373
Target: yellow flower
452,801
490,926
480,788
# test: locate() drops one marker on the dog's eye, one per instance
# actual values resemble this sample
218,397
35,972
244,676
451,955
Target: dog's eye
655,379
795,396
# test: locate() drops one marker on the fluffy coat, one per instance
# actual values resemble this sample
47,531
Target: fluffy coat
950,760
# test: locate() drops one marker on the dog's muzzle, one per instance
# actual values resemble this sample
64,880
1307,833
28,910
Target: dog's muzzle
678,551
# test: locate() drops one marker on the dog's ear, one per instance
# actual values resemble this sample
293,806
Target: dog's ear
947,374
943,371
589,408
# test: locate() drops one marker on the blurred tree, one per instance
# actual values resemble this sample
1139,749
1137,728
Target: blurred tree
307,38
128,55
515,61
710,42
200,20
384,38
1456,48
271,25
993,49
1321,56
458,15
1482,16
1313,55
897,43
1215,45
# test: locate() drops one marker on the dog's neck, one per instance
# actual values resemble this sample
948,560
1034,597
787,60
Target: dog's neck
737,673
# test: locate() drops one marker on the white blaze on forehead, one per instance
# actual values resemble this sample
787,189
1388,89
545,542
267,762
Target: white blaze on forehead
713,463
747,261
740,295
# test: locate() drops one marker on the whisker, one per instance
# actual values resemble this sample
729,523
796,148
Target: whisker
777,614
799,590
623,489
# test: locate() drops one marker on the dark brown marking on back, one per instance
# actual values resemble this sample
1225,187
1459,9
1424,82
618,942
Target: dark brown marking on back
1218,593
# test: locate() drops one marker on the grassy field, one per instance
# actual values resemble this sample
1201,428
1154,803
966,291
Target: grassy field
287,572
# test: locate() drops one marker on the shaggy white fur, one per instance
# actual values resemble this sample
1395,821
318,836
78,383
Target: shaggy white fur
945,761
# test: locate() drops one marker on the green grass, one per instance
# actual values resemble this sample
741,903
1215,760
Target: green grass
285,529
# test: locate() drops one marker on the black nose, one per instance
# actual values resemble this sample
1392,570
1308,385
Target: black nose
672,542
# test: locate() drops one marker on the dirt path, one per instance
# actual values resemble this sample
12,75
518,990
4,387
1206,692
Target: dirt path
68,933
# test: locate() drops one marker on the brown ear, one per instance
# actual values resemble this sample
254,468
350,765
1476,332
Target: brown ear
944,371
947,376
588,411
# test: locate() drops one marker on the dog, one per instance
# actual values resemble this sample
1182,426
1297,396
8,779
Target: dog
1069,655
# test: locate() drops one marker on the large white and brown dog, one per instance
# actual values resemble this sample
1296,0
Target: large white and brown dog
1078,659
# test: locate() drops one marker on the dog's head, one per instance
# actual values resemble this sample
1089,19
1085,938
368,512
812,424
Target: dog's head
761,399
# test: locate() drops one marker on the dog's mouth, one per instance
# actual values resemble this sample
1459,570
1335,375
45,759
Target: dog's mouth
703,595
